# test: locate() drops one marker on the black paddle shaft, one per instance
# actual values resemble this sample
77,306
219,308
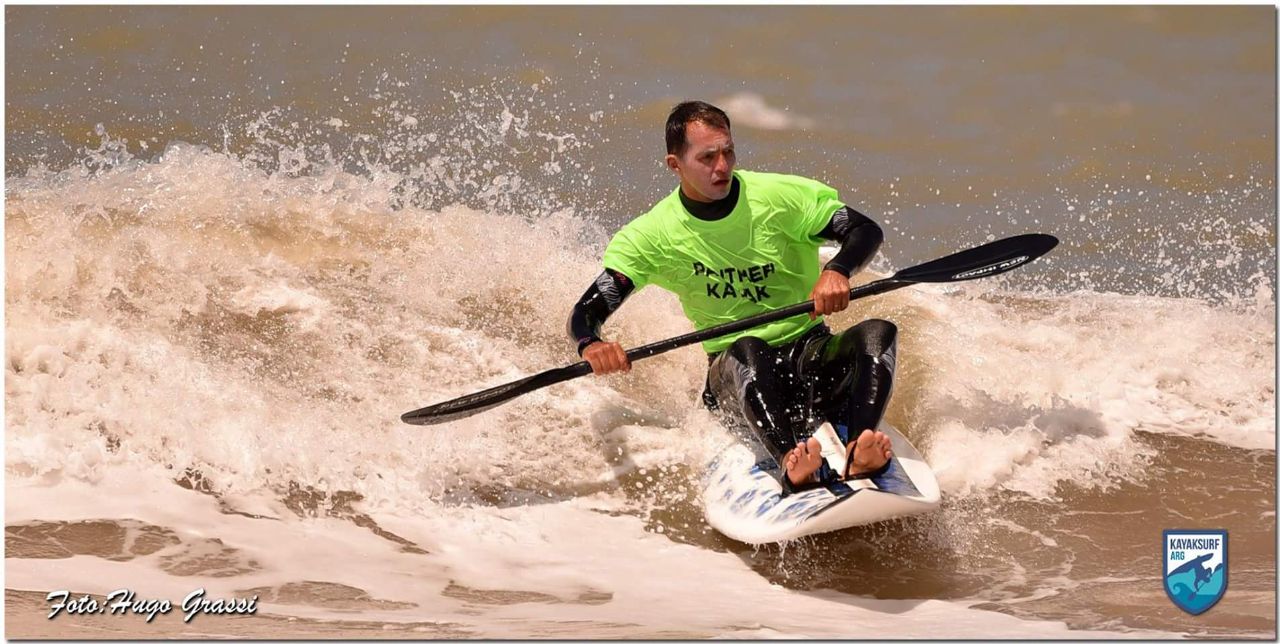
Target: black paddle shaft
983,261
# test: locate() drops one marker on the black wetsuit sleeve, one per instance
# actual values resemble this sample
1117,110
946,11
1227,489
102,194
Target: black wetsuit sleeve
603,297
859,239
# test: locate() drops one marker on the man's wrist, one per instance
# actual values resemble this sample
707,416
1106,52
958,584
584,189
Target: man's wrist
832,266
583,343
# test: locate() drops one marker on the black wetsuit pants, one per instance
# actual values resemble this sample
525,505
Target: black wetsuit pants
781,394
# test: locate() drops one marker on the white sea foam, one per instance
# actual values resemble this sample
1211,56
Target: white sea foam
197,316
597,573
1023,393
751,109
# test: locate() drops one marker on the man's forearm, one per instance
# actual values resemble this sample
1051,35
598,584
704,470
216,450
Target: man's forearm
859,238
601,299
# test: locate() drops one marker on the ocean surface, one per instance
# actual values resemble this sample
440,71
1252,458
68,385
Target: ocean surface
241,241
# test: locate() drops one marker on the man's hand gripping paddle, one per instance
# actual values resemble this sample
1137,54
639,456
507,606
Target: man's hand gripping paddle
983,261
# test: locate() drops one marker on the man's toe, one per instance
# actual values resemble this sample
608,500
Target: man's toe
866,439
792,457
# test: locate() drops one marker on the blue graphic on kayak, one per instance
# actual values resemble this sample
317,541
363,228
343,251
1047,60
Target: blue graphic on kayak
1195,568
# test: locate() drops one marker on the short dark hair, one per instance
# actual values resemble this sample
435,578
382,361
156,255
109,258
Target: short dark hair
687,112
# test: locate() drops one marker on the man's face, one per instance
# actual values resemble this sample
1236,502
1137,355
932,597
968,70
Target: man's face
706,167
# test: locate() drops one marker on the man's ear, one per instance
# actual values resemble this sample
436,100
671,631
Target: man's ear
673,163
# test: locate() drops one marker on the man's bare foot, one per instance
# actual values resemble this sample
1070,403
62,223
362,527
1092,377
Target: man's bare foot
803,460
869,453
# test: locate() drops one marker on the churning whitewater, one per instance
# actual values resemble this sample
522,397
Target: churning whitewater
232,263
195,328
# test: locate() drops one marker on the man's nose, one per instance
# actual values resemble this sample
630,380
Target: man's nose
722,163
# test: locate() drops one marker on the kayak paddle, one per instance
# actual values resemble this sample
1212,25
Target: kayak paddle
982,261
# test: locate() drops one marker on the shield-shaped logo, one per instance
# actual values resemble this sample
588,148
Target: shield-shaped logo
1195,568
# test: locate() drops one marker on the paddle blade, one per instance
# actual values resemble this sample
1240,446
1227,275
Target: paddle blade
984,261
472,404
466,405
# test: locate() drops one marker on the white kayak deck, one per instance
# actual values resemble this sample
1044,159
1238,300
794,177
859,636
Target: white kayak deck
743,498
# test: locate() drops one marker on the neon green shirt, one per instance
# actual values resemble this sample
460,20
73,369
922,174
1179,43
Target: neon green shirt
760,257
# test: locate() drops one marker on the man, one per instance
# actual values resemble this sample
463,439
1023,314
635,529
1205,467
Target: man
730,244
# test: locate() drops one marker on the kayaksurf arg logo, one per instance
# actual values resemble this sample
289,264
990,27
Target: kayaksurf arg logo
1195,568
